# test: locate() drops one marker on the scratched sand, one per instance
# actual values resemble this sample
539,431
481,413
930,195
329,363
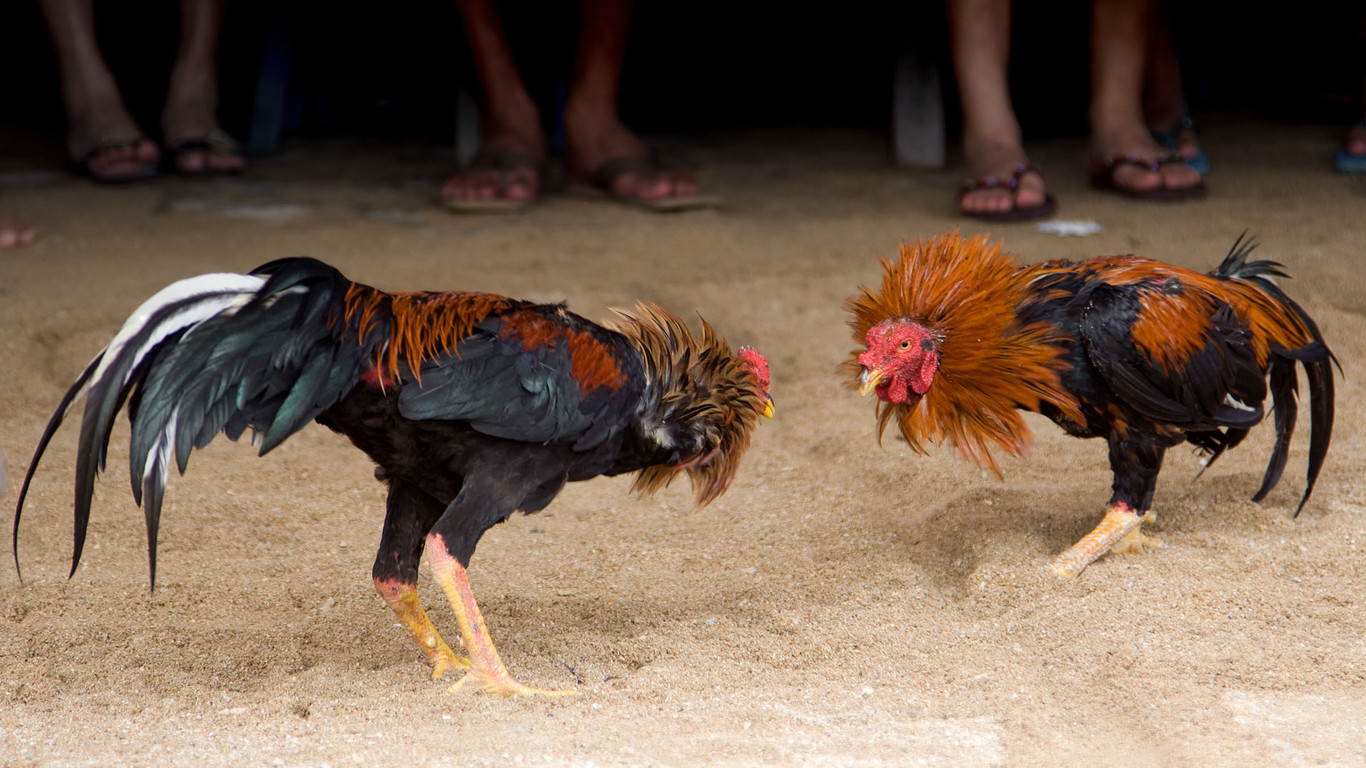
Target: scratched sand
845,604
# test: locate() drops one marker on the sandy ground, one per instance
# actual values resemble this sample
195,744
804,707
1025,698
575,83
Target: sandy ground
845,604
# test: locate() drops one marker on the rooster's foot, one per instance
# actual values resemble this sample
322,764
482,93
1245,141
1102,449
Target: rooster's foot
1136,543
500,685
444,660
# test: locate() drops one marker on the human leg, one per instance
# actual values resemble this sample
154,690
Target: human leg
509,167
1164,99
103,141
189,121
1124,156
601,150
979,33
1351,156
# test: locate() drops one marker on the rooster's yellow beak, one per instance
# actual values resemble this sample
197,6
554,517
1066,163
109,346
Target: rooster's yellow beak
869,381
768,407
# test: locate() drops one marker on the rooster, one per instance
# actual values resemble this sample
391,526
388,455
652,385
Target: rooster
472,406
960,337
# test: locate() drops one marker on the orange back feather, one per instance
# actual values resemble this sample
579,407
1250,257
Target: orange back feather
1172,326
591,362
425,323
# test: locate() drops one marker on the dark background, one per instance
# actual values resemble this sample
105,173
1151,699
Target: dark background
392,69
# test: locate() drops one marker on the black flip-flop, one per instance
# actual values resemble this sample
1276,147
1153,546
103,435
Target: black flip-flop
81,166
218,143
601,182
505,163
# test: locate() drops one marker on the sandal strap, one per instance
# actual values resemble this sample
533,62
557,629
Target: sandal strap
1163,158
643,165
1011,183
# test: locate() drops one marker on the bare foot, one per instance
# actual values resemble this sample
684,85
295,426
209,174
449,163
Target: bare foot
14,232
992,165
1135,142
596,139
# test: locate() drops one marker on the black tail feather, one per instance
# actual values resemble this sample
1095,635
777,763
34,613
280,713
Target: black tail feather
1320,376
53,424
1236,265
207,354
1284,390
120,378
1317,359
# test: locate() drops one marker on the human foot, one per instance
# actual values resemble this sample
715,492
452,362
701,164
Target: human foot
14,232
495,181
1131,162
105,145
1181,139
1004,185
505,175
1356,139
604,154
195,144
104,142
1351,156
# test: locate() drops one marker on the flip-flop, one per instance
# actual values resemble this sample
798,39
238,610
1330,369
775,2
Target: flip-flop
1167,140
218,143
1043,210
505,163
1105,179
600,185
81,166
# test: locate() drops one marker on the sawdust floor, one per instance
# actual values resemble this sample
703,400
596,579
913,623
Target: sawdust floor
845,604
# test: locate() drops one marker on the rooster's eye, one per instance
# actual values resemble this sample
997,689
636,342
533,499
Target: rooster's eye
905,345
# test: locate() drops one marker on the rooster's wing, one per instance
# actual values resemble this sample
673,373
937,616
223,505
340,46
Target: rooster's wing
1177,358
572,381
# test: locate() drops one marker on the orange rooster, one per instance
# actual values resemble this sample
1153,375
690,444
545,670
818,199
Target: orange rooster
960,337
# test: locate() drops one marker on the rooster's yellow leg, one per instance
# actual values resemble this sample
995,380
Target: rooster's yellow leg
402,598
1119,522
486,672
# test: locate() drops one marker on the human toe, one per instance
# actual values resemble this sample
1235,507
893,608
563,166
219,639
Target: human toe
1178,176
1137,178
988,200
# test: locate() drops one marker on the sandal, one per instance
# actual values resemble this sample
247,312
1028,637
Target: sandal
1105,179
1167,140
603,180
1043,210
82,166
217,144
506,164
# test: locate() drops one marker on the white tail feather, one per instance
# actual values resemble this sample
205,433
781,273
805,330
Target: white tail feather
222,292
158,463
